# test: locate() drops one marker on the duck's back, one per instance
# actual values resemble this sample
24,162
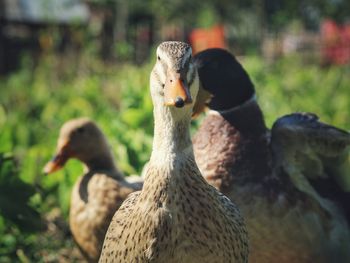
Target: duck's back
95,198
290,228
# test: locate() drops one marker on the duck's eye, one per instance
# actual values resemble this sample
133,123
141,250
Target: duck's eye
158,57
81,130
163,85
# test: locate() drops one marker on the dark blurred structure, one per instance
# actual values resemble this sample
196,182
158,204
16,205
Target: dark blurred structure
27,26
34,26
124,33
120,30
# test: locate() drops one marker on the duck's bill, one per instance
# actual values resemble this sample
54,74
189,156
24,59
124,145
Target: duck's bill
176,93
203,98
57,163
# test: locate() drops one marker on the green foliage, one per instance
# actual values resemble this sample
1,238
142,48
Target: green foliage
207,17
36,101
123,51
290,85
18,216
15,196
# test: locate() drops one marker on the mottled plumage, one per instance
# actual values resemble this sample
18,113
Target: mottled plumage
99,192
177,217
237,154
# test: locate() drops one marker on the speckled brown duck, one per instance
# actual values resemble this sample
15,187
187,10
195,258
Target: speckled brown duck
177,216
267,173
99,192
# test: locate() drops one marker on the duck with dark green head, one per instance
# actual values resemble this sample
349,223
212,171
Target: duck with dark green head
268,172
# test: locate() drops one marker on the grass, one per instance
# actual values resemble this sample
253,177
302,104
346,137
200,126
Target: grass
289,86
36,100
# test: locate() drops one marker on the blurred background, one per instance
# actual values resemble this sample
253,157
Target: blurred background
61,59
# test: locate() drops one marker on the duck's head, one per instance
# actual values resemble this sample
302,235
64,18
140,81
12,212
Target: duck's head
81,139
224,84
174,80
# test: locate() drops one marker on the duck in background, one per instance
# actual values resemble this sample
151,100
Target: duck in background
267,173
177,216
99,192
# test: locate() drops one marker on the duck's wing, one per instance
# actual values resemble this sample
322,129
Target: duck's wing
117,226
314,154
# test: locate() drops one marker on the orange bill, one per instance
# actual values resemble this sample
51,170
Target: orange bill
176,92
58,161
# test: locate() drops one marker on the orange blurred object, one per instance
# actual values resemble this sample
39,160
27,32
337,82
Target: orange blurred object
335,42
203,38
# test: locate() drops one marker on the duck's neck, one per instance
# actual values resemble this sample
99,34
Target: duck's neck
101,162
246,118
172,142
172,160
231,147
